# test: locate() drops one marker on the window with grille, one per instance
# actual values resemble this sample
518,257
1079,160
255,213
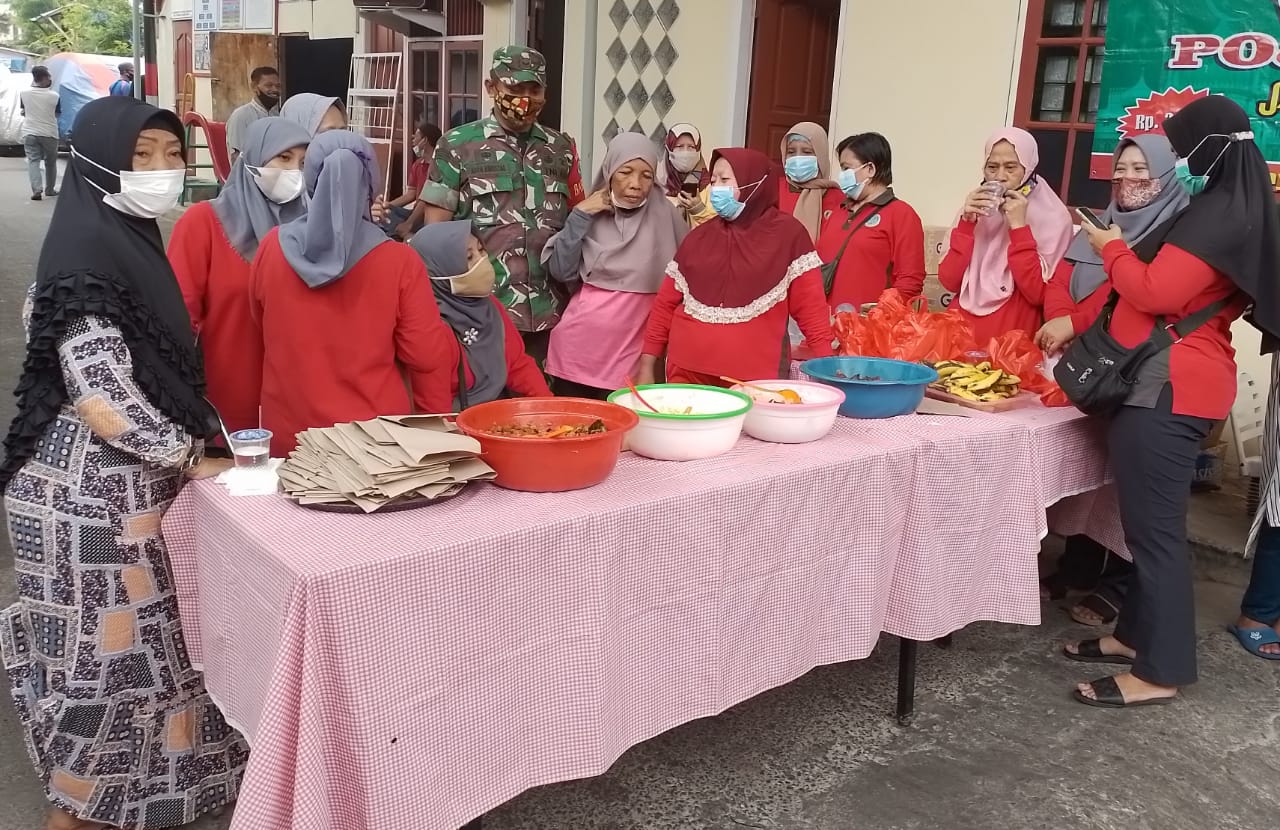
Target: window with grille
1058,88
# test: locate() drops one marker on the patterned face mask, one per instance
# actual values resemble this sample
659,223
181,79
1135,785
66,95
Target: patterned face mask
517,108
1131,194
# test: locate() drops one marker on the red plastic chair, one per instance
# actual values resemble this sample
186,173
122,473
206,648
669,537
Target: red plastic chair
214,135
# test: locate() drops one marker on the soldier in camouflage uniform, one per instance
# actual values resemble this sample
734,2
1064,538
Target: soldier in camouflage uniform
516,180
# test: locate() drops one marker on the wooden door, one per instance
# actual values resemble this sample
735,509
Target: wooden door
232,56
181,62
792,68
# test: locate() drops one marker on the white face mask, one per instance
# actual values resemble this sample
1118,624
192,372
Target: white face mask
278,184
146,194
685,160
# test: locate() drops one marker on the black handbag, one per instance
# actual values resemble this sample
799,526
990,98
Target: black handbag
829,269
1097,374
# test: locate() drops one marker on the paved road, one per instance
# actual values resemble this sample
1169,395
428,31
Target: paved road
997,742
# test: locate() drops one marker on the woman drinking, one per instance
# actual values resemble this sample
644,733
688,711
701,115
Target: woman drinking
315,113
1210,261
614,250
878,242
342,308
490,355
111,414
211,249
1145,195
722,309
1012,231
807,191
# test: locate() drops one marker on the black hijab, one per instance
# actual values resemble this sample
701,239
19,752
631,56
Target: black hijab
1232,224
99,261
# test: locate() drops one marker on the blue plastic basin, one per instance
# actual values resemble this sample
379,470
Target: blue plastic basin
898,391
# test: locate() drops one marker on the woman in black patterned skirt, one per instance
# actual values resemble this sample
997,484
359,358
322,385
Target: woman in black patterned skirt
111,414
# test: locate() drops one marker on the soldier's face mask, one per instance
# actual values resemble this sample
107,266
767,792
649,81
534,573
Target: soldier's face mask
518,108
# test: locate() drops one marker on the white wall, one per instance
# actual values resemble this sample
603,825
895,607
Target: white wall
318,18
936,78
703,78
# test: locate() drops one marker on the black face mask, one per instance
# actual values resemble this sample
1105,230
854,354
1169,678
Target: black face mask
268,101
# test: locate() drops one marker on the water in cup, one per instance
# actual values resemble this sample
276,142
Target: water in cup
251,447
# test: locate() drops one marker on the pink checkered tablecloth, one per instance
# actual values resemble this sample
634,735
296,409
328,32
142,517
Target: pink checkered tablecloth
432,664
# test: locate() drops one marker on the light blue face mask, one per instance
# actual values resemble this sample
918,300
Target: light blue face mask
848,181
724,204
1194,184
801,168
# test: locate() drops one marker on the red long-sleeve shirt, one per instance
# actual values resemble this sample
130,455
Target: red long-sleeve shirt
1023,309
524,378
1176,284
887,253
753,350
215,286
334,353
1059,303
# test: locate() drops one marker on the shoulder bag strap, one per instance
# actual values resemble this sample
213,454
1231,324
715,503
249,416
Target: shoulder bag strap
865,219
829,269
1166,335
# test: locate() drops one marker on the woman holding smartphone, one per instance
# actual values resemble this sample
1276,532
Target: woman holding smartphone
1145,195
1012,231
1217,256
683,175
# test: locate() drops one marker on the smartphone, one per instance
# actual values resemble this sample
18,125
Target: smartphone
689,188
1091,217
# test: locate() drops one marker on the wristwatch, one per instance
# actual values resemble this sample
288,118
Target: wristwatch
194,457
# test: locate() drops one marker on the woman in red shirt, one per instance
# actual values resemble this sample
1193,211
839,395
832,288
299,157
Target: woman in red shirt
1013,230
723,306
807,191
211,248
1145,195
343,309
881,237
1221,253
487,347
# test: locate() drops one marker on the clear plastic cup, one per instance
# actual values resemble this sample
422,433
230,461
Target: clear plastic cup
996,190
251,447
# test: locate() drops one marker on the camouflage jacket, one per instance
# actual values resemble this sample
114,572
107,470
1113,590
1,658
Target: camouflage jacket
516,191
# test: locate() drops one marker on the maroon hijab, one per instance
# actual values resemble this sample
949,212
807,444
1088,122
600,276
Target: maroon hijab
727,266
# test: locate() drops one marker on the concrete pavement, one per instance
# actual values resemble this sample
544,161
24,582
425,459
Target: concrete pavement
997,742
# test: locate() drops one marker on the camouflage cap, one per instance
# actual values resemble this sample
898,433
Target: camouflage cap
519,65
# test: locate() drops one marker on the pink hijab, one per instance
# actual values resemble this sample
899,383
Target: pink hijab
988,283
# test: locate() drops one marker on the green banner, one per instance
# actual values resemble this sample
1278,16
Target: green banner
1163,54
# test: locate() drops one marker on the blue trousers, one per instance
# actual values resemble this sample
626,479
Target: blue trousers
1261,601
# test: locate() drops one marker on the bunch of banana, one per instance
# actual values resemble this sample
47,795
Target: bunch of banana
978,382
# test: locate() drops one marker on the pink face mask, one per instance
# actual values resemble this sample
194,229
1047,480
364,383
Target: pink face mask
1131,194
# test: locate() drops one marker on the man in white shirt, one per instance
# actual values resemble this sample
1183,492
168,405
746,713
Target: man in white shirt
40,111
266,101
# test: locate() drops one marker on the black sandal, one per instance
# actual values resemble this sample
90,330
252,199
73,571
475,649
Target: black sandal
1107,695
1099,605
1090,651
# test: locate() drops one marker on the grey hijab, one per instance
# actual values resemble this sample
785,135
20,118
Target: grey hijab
335,233
628,250
1088,274
476,321
245,214
307,109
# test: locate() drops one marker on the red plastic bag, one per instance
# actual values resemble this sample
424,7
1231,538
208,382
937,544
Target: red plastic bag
1016,353
904,330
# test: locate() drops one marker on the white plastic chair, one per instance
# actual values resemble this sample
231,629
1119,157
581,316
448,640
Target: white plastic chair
1248,416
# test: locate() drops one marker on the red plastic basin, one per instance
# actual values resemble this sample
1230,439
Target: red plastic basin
549,465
